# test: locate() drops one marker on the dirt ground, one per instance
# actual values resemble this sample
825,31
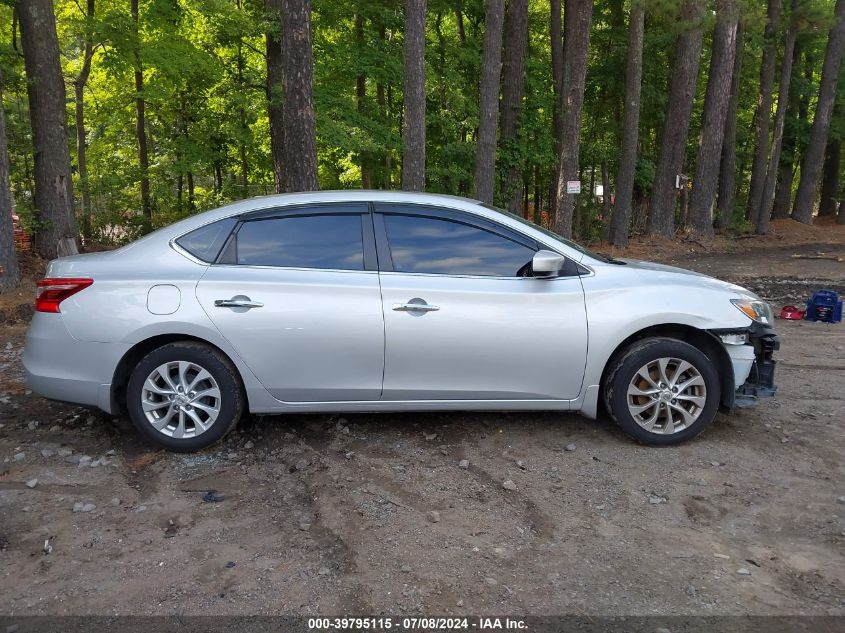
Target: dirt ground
370,514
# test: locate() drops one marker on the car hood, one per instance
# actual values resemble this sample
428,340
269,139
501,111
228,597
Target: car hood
692,278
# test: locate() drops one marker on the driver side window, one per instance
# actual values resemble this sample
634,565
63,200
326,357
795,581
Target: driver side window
421,244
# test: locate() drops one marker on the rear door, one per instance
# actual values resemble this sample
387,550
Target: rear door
463,317
296,293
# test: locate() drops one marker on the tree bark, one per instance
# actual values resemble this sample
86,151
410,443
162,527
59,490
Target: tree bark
661,221
630,127
300,133
715,114
812,164
275,90
829,202
761,225
786,170
727,171
556,36
56,233
488,110
79,111
140,115
413,132
578,18
10,274
513,88
763,113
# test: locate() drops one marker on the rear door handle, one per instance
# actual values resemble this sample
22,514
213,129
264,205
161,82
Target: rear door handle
415,307
236,302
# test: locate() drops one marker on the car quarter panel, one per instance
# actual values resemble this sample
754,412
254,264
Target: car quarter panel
621,301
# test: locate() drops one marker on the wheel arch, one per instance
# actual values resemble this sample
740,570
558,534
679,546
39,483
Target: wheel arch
702,340
132,357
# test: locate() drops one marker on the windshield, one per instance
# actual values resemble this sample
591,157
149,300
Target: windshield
552,234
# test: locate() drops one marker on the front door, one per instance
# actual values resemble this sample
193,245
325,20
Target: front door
298,297
463,317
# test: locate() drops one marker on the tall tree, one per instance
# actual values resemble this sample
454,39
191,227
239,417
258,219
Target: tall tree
10,273
726,197
513,88
630,127
413,132
796,117
578,16
763,113
56,233
140,113
761,222
811,166
300,161
556,37
275,90
79,110
828,202
676,124
713,120
488,110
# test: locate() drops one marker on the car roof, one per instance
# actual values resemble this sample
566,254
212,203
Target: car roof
355,195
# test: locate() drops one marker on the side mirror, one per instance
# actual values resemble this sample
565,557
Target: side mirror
547,264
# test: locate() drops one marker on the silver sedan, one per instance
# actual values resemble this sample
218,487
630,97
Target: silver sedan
388,301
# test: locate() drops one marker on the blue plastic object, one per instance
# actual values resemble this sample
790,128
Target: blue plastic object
824,305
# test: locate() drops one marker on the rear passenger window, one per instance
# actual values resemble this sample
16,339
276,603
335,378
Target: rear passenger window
305,241
205,242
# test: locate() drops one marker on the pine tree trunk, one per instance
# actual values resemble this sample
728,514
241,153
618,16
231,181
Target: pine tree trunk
811,166
513,88
578,18
661,221
621,219
413,132
761,225
275,90
786,169
79,112
763,113
556,36
828,203
488,110
56,235
364,159
727,171
715,114
10,274
141,115
298,62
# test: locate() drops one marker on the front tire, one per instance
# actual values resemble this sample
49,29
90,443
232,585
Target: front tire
662,391
184,396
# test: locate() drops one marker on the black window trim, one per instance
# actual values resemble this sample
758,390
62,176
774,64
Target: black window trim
380,209
361,209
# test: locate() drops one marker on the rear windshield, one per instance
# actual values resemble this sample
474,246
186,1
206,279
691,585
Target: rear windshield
205,242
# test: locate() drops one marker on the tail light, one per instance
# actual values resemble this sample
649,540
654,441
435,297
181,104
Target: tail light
50,292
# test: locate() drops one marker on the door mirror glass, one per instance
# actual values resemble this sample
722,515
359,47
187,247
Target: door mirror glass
547,264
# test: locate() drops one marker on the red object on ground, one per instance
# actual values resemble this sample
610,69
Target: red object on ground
22,240
791,313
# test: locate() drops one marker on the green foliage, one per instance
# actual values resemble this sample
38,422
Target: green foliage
204,72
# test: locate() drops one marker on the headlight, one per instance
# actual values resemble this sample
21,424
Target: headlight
759,311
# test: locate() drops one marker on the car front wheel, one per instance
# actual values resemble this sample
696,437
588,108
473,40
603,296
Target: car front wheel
184,396
662,391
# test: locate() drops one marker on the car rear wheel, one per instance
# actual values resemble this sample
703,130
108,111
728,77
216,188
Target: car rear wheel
662,391
184,396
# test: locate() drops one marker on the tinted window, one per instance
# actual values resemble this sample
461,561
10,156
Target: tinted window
205,242
429,245
306,241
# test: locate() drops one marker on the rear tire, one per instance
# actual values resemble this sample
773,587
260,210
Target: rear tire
662,391
184,396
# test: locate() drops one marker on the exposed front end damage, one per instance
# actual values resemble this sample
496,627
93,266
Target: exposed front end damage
751,352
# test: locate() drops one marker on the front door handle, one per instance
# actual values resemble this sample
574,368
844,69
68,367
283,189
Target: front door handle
411,306
237,302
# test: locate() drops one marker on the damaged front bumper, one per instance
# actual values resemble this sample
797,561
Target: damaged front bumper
751,352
